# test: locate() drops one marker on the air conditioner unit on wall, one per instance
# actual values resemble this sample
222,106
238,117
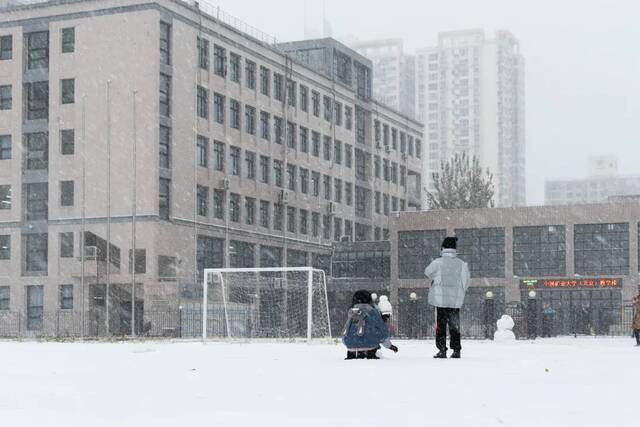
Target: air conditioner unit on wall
387,148
331,208
224,183
283,197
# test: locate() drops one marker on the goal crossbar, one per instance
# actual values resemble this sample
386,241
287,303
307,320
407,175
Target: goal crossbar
220,271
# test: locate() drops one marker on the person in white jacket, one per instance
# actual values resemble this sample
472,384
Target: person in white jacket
449,282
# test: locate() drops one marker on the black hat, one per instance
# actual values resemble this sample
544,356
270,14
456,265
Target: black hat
361,297
449,243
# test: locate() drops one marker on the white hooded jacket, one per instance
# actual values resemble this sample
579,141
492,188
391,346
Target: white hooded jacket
450,280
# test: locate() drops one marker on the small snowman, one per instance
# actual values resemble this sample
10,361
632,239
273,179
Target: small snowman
504,333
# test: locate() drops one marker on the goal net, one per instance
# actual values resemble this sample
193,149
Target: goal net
284,303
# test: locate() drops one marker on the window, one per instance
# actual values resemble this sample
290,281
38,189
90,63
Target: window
37,100
418,145
278,216
218,204
234,207
167,267
394,138
338,110
67,144
348,193
304,139
165,43
360,125
66,244
539,251
483,250
234,154
278,89
219,60
326,227
337,190
234,116
265,81
5,296
164,150
164,198
337,229
416,249
140,261
203,53
304,181
5,197
403,142
348,118
291,219
6,47
328,108
361,166
5,148
37,206
291,177
601,249
6,97
376,166
386,170
264,214
265,125
277,172
315,224
241,254
250,74
36,151
326,184
304,98
315,183
337,152
385,204
376,202
315,101
291,93
218,108
250,163
385,134
165,95
68,90
348,155
327,148
362,195
270,256
277,129
203,149
249,210
66,193
348,230
411,146
5,247
304,219
264,169
403,176
203,103
315,143
291,135
38,50
203,200
68,40
394,172
234,67
35,308
36,253
250,119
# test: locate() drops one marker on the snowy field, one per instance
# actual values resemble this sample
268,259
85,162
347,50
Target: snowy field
560,382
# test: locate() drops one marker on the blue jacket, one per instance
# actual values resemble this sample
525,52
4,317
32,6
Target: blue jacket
365,329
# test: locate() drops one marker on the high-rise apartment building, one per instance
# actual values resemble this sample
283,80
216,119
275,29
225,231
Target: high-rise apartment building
227,149
393,73
470,96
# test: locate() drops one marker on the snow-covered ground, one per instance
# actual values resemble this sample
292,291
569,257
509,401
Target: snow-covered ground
560,382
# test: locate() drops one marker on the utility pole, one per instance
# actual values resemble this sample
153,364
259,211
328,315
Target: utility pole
83,218
108,285
134,208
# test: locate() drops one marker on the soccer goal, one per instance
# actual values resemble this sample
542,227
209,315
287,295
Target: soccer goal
280,303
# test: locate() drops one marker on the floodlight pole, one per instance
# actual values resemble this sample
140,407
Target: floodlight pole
309,306
204,307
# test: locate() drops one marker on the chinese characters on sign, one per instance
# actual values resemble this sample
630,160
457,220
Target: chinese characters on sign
597,283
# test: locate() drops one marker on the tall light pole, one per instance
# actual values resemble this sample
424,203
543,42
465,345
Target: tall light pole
108,284
134,205
83,217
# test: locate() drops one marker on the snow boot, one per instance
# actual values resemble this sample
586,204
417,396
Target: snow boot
371,354
442,354
455,354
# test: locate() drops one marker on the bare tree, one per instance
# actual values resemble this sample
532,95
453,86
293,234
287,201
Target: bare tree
461,184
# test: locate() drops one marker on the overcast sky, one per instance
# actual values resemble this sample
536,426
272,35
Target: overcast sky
582,64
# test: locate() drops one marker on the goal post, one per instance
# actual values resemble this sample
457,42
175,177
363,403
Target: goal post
275,302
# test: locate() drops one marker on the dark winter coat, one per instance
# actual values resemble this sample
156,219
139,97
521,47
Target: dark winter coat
365,328
636,317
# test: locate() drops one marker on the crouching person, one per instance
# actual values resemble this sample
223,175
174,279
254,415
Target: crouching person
365,330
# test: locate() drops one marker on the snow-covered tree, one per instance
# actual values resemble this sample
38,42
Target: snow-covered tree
461,184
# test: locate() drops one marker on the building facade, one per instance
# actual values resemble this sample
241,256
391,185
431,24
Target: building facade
602,182
393,73
219,148
470,96
581,260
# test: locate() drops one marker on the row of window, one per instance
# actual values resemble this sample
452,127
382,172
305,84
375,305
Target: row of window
389,137
36,97
37,47
35,303
538,251
36,198
35,148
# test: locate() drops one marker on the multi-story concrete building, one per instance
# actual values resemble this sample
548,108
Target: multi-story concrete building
602,182
226,148
471,99
393,73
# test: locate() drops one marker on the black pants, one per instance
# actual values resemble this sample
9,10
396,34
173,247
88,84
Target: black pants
636,332
450,317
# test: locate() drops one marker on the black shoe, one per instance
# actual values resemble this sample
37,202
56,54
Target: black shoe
455,354
441,355
371,354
